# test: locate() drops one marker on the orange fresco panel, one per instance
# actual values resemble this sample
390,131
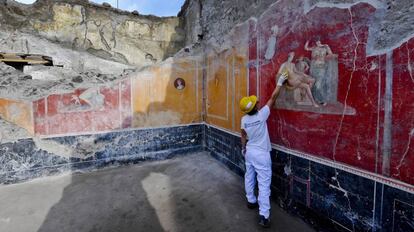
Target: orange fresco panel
141,97
17,112
3,107
180,103
226,85
218,91
156,100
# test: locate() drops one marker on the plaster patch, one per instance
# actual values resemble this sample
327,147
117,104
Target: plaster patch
157,118
54,147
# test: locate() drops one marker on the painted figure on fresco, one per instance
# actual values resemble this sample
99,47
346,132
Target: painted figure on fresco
179,84
323,68
94,98
297,79
299,95
271,44
302,64
319,52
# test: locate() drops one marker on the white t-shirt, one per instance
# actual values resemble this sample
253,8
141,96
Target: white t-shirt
256,129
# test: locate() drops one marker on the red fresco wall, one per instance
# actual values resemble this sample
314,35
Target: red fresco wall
353,139
66,114
402,161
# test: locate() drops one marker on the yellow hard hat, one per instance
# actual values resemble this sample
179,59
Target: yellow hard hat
247,104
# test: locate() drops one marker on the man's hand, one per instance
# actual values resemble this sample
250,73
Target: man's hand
282,78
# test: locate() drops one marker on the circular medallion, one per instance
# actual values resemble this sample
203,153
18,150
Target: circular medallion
179,84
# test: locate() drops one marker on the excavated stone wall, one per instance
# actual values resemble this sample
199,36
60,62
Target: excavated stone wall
100,30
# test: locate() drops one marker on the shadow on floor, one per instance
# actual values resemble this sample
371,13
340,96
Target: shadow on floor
190,193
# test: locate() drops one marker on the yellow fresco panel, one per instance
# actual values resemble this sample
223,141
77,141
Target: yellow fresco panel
218,87
226,85
157,101
141,99
219,84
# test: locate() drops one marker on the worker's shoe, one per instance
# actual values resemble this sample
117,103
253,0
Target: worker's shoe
264,222
252,205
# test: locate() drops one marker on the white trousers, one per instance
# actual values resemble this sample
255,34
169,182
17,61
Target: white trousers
258,163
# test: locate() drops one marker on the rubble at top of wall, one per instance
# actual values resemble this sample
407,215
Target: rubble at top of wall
91,44
22,86
100,30
95,44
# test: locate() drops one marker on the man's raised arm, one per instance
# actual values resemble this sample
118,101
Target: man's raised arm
282,78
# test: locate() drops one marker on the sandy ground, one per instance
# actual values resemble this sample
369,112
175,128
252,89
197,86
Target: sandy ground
190,193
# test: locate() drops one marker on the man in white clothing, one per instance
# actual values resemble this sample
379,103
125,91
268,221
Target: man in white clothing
256,148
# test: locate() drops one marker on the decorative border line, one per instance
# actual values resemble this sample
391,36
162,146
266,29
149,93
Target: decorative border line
356,171
117,131
344,167
196,85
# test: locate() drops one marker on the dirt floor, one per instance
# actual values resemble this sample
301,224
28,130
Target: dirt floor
189,193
